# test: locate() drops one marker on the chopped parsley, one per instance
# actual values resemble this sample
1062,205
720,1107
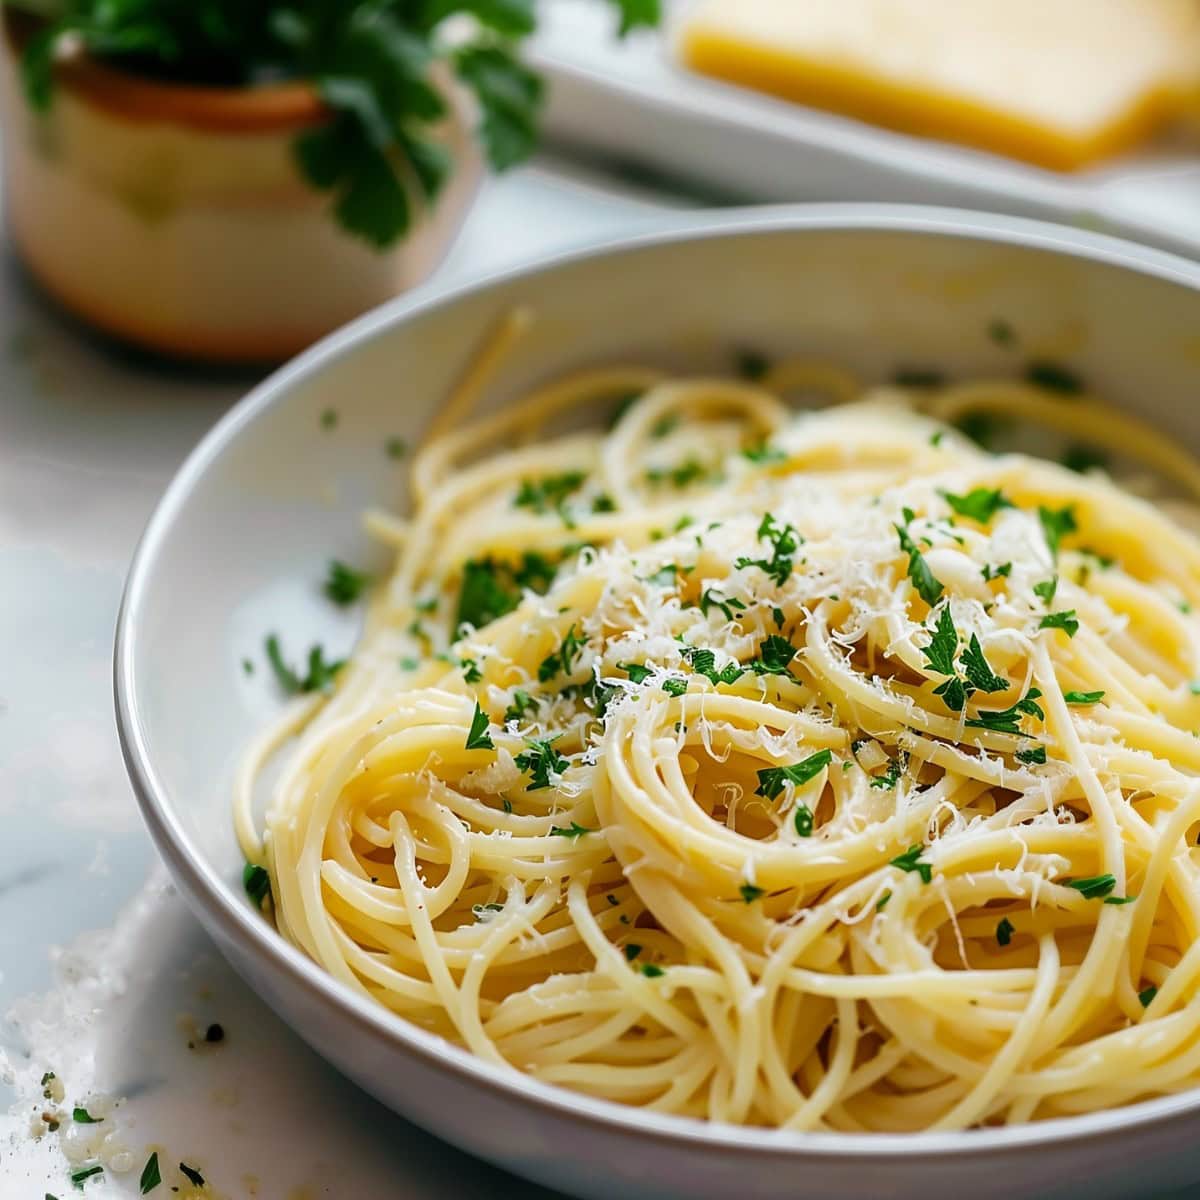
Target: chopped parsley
636,671
675,686
329,419
151,1176
928,587
773,780
1003,571
777,615
1054,377
541,760
803,819
572,832
943,644
688,471
564,659
651,971
750,893
81,1116
522,702
1056,524
980,504
664,577
1094,887
881,903
604,503
775,655
1083,697
247,666
1034,757
1146,996
710,599
911,860
319,677
548,493
479,738
1066,621
784,542
632,950
763,452
257,882
979,673
395,447
470,670
1007,720
895,768
193,1176
343,584
78,1178
1004,931
704,662
1046,589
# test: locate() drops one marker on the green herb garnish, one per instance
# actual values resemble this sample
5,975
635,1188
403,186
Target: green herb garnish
522,702
1083,697
803,819
478,738
541,760
193,1176
78,1178
784,542
928,587
895,768
1004,931
1066,621
979,674
572,832
1046,589
980,504
710,599
343,584
1146,996
775,655
1054,377
1093,887
1083,459
151,1176
548,493
1034,757
1001,572
704,662
632,950
81,1116
1056,524
772,780
563,660
320,674
911,860
750,893
257,882
674,686
1007,720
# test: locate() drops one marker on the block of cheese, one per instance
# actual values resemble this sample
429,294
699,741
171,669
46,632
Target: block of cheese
1060,83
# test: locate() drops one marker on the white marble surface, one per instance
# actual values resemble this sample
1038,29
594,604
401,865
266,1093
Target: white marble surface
103,973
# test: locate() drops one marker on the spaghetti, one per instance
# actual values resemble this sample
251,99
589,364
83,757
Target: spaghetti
818,771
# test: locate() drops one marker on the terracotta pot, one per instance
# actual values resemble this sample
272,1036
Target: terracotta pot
174,216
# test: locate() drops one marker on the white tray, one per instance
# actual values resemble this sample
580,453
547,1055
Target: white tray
627,100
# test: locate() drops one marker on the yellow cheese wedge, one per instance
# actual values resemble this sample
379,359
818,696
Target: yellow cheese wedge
1060,83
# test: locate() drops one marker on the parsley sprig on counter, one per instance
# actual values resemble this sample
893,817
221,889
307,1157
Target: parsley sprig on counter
381,67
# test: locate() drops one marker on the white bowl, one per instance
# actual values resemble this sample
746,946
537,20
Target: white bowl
238,545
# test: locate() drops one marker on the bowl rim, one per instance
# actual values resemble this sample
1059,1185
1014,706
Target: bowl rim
238,924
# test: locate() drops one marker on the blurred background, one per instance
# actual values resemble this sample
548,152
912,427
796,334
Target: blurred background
195,190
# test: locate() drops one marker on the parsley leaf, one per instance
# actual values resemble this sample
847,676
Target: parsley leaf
193,1176
541,760
710,599
1046,589
1093,887
636,671
563,660
1035,757
479,738
674,687
1146,996
773,780
548,493
651,971
81,1116
751,364
84,1173
1056,524
151,1176
1001,572
784,542
1004,931
911,860
980,504
257,882
1083,697
522,702
750,893
775,655
572,832
979,674
928,587
704,662
943,644
803,820
343,584
1007,720
320,675
891,776
1066,621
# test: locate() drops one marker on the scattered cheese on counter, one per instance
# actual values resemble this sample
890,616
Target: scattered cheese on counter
1060,83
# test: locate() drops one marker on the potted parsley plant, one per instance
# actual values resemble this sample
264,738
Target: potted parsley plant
230,179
